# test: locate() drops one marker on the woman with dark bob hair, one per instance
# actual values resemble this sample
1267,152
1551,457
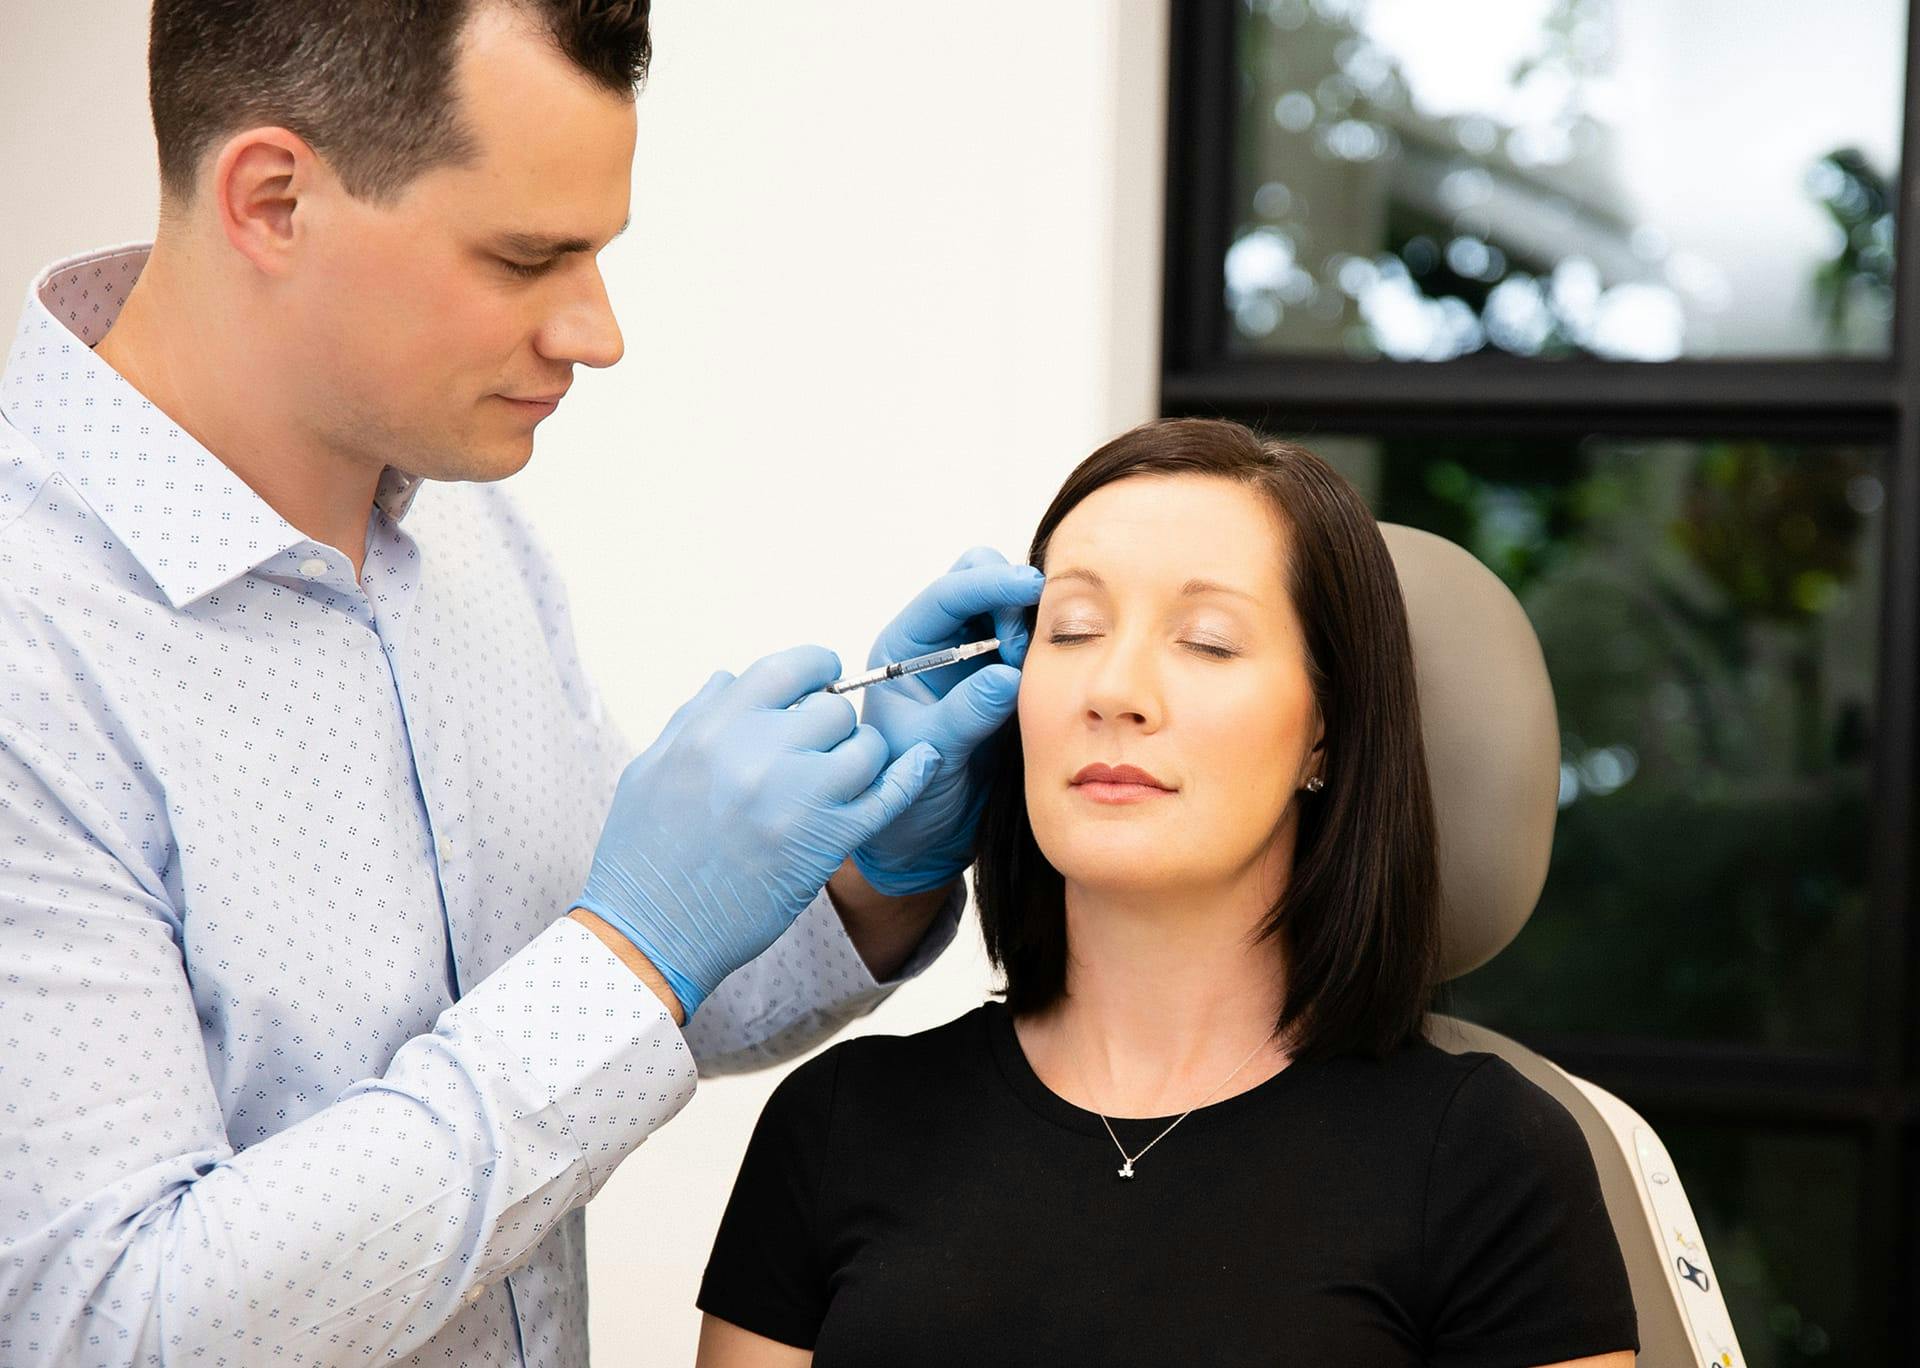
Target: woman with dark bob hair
1204,1127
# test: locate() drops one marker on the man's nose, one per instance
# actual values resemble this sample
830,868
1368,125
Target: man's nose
584,331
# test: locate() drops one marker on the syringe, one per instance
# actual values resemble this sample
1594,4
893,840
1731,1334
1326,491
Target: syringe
953,655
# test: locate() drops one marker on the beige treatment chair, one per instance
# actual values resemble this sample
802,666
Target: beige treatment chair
1493,751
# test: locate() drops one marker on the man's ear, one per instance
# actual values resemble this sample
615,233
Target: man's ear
257,182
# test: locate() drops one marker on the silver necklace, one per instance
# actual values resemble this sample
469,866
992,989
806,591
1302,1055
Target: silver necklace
1127,1161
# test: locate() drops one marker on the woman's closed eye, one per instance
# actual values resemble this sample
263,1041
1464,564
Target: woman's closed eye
1213,650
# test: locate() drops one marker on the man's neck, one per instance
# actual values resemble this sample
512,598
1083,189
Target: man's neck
192,348
1164,995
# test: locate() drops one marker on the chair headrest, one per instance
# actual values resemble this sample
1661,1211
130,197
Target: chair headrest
1492,739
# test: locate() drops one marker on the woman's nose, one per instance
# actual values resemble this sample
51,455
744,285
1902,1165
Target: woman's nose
1123,687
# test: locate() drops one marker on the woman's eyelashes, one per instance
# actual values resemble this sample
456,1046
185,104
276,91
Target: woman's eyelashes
1211,648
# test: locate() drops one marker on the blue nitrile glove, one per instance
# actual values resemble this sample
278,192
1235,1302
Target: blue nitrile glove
727,826
954,710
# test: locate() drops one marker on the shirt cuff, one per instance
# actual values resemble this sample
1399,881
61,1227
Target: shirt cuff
582,1044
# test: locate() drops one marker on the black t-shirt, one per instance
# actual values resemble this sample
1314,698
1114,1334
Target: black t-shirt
927,1200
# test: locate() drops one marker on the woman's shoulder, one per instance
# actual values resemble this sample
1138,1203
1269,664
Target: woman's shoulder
1419,1069
1488,1094
890,1067
1442,1095
1483,1118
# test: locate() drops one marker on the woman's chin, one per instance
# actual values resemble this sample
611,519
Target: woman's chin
1121,867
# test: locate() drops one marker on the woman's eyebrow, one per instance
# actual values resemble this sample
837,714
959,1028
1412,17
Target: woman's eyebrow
1207,586
1188,590
1076,573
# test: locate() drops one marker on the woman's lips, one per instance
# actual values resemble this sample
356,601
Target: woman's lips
1118,784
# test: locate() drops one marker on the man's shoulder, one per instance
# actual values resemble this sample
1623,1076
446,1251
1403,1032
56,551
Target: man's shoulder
61,566
24,472
67,611
34,558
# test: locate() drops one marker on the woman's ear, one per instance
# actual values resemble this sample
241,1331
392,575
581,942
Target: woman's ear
1315,762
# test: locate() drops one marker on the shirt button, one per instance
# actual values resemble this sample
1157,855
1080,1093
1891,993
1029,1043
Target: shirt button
313,567
446,851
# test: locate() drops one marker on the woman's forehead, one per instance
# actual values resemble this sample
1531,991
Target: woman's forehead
1167,530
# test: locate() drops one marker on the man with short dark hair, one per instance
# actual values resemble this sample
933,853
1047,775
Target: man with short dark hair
343,951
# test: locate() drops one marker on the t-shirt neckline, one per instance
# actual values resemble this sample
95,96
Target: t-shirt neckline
1050,1106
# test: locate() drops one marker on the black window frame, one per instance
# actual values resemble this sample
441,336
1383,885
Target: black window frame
1871,400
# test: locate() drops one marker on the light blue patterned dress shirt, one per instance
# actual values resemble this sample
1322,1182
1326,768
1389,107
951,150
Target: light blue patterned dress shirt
299,1060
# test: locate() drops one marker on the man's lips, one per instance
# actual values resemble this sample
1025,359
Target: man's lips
548,402
1118,784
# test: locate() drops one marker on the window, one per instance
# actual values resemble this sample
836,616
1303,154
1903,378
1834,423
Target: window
1605,292
1552,178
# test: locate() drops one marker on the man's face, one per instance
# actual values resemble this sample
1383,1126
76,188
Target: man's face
435,322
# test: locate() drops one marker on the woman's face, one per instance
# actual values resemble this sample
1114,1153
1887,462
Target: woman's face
1166,644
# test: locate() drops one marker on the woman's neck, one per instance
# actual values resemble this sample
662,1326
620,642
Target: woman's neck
1165,994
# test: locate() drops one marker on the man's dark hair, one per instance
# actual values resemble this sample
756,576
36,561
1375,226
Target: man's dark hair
368,83
1358,920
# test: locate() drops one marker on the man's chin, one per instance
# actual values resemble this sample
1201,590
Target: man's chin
510,459
481,462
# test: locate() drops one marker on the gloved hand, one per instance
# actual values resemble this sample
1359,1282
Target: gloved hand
724,829
954,710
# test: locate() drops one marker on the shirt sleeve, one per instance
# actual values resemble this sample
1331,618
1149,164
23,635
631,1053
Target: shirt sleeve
133,1231
767,1272
1521,1258
802,989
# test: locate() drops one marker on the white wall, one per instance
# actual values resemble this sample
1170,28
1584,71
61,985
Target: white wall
893,269
76,149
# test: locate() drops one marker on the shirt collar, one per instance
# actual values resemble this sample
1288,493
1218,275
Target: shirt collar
190,521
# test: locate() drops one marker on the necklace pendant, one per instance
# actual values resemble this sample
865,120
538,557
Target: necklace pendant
1126,1169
